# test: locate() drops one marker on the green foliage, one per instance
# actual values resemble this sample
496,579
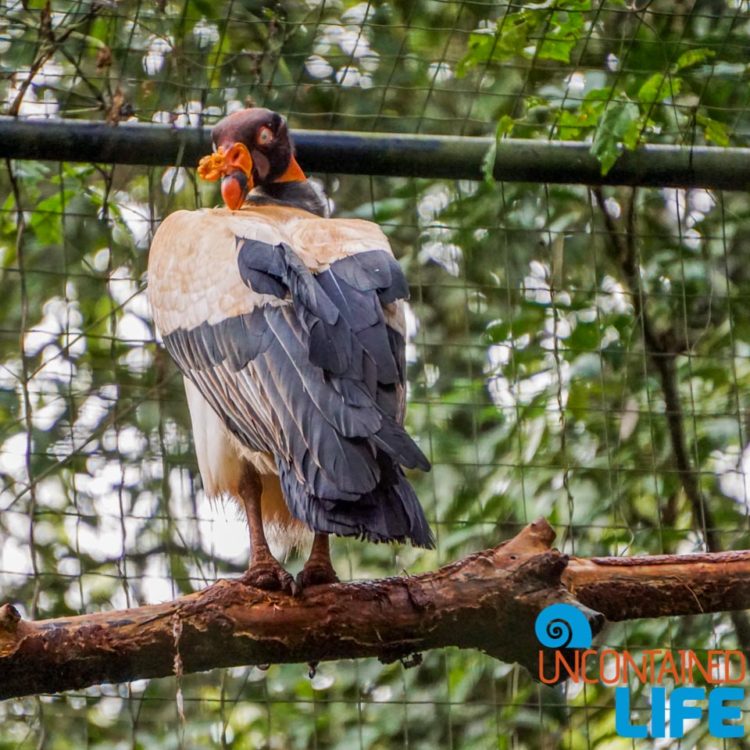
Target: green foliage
529,384
618,125
618,109
539,32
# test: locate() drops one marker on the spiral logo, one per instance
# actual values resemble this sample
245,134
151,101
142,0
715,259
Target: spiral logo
563,626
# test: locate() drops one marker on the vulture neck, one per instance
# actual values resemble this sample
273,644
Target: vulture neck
298,194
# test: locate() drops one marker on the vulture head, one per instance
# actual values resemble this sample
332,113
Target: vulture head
252,148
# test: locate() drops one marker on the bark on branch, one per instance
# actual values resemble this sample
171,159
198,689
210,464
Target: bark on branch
487,601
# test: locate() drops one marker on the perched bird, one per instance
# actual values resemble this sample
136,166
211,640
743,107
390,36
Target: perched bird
288,327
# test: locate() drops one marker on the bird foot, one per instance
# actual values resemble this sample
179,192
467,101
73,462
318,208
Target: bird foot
270,576
316,574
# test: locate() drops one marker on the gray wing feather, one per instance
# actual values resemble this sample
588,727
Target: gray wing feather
317,380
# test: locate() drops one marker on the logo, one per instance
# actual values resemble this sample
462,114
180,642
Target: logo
563,626
682,686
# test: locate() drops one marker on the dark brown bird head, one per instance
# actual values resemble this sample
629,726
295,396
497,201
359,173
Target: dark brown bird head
252,148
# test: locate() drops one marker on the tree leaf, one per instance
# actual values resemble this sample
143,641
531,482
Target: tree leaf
505,126
693,57
567,27
659,86
713,130
615,127
488,163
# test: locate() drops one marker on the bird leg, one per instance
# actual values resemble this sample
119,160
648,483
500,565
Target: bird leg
264,572
318,568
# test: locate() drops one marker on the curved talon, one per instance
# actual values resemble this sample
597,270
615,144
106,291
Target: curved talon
316,575
270,577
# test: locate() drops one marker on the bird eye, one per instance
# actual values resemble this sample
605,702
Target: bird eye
265,135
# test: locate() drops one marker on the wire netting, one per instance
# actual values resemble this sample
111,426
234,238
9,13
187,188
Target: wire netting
545,377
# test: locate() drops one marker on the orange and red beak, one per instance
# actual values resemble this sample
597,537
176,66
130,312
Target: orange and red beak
234,190
234,167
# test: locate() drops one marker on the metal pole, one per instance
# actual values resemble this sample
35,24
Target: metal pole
388,154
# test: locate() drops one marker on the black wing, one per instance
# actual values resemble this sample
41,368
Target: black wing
315,376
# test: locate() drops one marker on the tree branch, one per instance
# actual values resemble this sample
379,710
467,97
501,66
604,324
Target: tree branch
487,601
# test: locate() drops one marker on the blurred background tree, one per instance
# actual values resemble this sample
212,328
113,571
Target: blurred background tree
532,388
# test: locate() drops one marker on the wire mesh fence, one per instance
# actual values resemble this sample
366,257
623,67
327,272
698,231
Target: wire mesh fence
547,376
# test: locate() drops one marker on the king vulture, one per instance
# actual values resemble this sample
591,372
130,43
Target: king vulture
288,328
